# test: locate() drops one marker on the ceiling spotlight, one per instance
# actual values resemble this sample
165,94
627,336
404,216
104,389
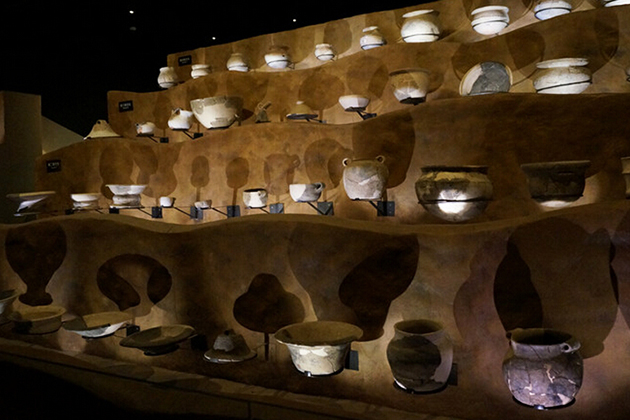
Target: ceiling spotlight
131,12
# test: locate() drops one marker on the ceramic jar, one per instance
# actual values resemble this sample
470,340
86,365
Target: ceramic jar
167,201
490,20
556,184
306,193
85,201
180,119
101,129
354,102
486,78
372,38
410,85
420,26
454,193
625,170
420,355
237,62
167,77
217,111
547,9
562,76
318,348
543,367
365,179
126,195
278,57
199,70
325,52
255,198
145,128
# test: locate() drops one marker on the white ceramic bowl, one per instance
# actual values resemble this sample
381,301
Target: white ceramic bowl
217,111
120,189
354,102
37,319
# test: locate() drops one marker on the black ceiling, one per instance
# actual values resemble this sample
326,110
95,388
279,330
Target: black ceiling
72,54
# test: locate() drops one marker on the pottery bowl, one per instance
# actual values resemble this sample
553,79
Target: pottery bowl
217,111
7,297
556,184
255,198
306,193
158,340
37,319
354,102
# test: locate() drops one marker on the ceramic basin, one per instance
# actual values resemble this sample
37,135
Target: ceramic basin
29,200
354,102
97,325
37,319
158,340
85,200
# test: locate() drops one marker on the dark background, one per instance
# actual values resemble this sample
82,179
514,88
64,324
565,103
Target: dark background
73,53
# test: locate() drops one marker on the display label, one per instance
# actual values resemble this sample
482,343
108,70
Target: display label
125,106
184,60
53,165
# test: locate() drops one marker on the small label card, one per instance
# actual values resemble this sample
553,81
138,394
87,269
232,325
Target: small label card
125,106
53,165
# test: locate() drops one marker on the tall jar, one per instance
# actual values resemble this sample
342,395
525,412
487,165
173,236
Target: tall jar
543,367
365,179
420,26
167,77
420,356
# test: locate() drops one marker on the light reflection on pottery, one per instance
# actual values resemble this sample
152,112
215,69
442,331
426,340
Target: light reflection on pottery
420,26
410,85
365,179
562,76
97,325
543,368
255,198
158,340
486,78
319,348
217,111
420,355
454,193
305,193
547,9
372,38
37,319
490,20
556,184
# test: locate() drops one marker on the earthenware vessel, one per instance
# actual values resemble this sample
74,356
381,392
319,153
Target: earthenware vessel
556,184
325,52
562,76
486,78
454,193
420,355
200,70
306,193
318,348
365,179
490,20
7,297
410,85
217,111
167,77
372,38
255,198
158,340
229,347
145,128
613,3
420,26
237,62
181,119
85,200
29,200
543,367
354,102
97,325
37,319
126,195
101,129
301,111
278,57
547,9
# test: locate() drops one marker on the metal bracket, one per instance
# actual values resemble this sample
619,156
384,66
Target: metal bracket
276,208
233,211
352,360
384,208
156,212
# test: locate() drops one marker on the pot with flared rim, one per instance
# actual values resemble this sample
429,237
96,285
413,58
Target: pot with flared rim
556,184
217,111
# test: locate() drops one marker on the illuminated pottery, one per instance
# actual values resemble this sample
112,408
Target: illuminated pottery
158,340
420,26
217,111
255,198
98,325
372,38
625,165
556,184
365,179
181,119
145,128
354,102
486,78
301,111
454,193
101,129
410,85
319,348
278,57
85,200
200,70
126,196
490,20
306,193
229,347
543,368
167,201
325,52
548,9
29,200
37,319
237,62
167,77
562,76
420,356
614,3
7,297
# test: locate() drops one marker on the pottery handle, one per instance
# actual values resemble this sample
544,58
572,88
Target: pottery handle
319,186
571,345
346,161
380,158
509,334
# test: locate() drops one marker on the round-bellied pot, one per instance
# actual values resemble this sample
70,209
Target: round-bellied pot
486,78
420,26
410,85
167,77
237,62
217,111
562,76
556,184
454,193
372,38
490,20
365,179
306,193
548,9
318,348
420,356
543,367
181,119
278,57
255,198
325,52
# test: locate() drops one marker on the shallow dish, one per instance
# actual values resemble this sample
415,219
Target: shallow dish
97,325
158,340
37,319
29,200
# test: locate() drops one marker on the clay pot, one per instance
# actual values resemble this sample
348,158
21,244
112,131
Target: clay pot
454,193
486,78
325,52
372,38
420,355
158,340
556,184
410,85
229,347
167,201
490,20
37,319
181,119
543,367
126,195
255,198
562,76
318,348
548,9
145,128
420,26
217,111
237,62
167,77
278,57
306,193
199,70
365,179
98,325
85,200
101,129
354,102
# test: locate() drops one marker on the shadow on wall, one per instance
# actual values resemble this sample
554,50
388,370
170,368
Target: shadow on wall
621,265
